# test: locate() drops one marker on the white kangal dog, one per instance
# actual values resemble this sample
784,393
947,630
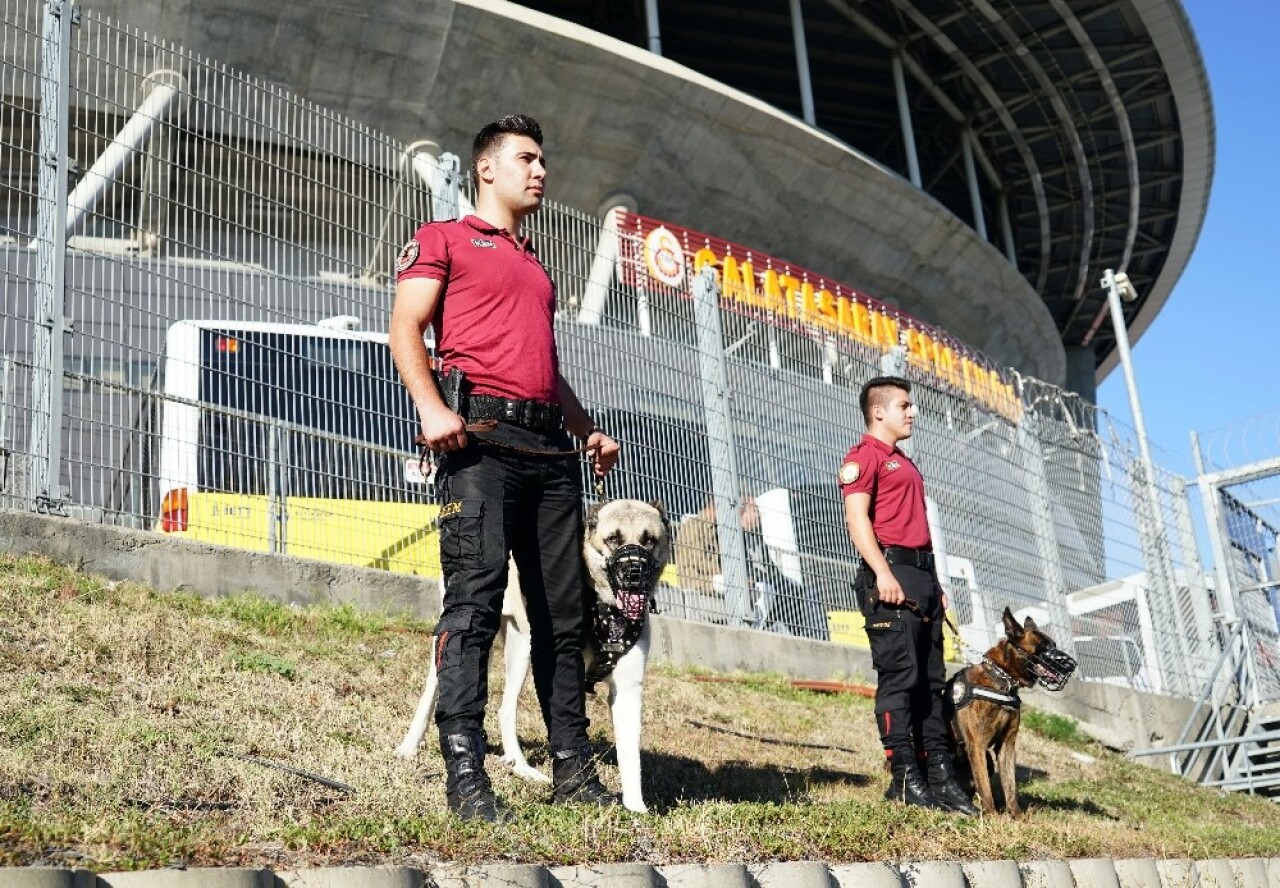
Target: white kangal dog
626,545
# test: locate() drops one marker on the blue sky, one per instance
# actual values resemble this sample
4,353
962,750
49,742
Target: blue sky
1210,358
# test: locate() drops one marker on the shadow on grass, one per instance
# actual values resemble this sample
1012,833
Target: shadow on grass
672,779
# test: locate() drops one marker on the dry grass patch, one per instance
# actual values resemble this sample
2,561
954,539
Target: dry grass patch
135,725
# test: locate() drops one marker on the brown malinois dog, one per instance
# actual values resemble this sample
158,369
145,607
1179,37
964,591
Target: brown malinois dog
985,710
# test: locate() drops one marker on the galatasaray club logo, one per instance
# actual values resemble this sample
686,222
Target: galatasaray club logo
664,257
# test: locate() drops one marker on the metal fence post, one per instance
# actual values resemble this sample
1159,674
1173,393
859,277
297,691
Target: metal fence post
1171,653
446,193
724,463
45,447
1040,507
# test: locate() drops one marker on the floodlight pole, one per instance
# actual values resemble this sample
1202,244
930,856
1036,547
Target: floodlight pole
1171,658
1113,283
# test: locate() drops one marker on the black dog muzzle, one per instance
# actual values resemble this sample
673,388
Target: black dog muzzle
632,571
1052,668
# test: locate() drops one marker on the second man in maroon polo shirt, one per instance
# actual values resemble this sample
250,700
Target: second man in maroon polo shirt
491,303
901,599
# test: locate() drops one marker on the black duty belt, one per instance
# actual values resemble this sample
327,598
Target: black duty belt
921,558
537,416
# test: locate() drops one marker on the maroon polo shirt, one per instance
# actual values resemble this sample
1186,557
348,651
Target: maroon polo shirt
495,318
897,512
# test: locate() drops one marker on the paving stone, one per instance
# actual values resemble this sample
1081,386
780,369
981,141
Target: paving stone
212,877
46,877
351,877
1251,872
704,875
792,874
1094,872
613,875
868,875
1177,872
992,873
1216,874
1138,872
1046,874
933,874
506,875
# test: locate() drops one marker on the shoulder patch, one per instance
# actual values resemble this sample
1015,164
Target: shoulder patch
849,472
408,255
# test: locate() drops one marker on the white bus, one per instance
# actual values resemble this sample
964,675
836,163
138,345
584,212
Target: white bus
294,439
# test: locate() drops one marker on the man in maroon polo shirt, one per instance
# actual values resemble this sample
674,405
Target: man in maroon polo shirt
898,591
491,304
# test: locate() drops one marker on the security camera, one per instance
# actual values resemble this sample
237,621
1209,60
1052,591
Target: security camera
1125,288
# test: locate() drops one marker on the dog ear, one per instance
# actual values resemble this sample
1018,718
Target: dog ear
592,518
657,504
1030,625
1011,627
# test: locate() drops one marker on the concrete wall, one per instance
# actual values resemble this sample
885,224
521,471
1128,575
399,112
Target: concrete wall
1121,718
621,119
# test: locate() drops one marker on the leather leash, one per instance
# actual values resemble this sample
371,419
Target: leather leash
914,606
483,426
479,427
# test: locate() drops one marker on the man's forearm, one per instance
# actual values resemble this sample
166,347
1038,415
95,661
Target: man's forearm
414,365
864,540
576,418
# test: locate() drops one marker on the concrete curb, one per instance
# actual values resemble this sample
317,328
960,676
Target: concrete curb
1253,872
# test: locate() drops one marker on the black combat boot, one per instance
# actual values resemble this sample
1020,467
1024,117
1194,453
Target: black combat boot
946,789
467,787
908,784
574,779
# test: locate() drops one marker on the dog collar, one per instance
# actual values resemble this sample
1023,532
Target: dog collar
1000,673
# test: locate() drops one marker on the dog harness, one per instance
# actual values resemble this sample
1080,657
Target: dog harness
964,692
613,634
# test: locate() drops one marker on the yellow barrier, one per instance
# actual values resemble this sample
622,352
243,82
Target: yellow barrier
399,537
849,627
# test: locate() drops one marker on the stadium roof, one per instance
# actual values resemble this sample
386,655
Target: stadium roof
1092,120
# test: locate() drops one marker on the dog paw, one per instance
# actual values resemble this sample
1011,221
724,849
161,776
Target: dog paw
527,771
634,806
407,751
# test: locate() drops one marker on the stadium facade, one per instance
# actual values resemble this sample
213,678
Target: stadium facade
976,164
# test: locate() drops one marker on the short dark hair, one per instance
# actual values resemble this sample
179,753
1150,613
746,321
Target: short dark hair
492,135
871,392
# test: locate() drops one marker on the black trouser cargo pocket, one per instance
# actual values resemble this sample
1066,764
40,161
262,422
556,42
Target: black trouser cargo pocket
449,638
889,641
462,534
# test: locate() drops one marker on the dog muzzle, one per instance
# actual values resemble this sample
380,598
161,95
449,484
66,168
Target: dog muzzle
632,574
1052,669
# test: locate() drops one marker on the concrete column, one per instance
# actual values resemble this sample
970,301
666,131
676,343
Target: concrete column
1006,231
971,175
802,63
1082,373
904,114
651,21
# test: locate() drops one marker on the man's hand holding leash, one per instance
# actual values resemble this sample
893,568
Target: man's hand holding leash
602,451
443,429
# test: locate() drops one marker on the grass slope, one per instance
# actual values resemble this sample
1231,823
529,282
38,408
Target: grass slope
125,711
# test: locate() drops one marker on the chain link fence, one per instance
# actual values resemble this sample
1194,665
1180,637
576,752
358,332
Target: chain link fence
198,274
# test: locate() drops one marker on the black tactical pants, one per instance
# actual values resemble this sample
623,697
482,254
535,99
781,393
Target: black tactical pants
494,502
906,652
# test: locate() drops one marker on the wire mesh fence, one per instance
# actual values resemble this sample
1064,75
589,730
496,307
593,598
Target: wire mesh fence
213,365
